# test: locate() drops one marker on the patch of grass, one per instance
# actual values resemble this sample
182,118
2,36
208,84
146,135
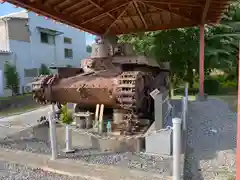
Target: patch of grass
190,98
18,97
15,111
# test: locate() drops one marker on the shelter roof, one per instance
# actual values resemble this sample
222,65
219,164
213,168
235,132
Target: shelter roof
125,16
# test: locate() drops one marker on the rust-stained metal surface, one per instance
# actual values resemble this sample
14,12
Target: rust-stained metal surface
116,78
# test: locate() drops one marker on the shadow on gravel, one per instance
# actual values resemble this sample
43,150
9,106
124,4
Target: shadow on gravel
211,140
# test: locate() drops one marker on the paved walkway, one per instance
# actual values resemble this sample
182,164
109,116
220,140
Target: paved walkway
211,141
74,167
16,123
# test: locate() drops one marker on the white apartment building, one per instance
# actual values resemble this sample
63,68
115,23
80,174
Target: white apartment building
32,40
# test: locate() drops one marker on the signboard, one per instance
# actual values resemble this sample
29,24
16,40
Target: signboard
154,93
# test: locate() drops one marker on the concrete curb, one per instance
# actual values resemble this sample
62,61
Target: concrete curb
68,173
75,168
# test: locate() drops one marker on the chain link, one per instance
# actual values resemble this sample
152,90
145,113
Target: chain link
92,134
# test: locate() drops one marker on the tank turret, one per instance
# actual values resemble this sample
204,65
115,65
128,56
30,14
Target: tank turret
101,49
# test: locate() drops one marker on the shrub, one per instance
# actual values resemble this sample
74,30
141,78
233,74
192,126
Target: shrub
44,70
12,77
66,115
220,78
211,86
229,84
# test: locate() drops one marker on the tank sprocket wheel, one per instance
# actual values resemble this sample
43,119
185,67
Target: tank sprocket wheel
45,83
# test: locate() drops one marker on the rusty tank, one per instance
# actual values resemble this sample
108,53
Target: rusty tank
114,76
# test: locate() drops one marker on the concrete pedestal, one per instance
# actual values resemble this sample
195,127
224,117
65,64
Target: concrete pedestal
159,143
118,145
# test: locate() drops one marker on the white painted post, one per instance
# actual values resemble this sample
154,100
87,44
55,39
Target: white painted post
184,113
186,95
53,108
68,140
96,116
100,121
176,148
53,138
186,89
1,83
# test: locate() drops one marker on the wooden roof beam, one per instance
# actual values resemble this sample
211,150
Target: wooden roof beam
140,14
162,27
183,15
102,9
174,3
104,13
125,9
205,11
70,7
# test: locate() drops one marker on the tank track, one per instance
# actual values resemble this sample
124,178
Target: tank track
129,83
40,85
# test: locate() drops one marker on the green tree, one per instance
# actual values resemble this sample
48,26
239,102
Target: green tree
223,41
180,47
171,46
44,70
89,49
12,78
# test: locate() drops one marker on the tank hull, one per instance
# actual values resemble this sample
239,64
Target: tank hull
85,89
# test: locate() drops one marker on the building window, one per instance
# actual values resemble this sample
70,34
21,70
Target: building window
68,53
31,72
47,38
67,40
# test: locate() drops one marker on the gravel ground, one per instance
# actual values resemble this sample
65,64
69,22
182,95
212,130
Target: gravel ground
138,161
19,172
211,141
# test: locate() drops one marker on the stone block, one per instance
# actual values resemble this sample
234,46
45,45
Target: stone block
118,145
159,143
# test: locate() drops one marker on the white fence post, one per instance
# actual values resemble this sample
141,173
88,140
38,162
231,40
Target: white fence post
176,148
68,140
53,139
184,113
186,96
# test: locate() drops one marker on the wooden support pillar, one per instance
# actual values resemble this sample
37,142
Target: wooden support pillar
201,62
238,120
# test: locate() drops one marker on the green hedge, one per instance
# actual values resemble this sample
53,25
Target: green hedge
191,91
211,86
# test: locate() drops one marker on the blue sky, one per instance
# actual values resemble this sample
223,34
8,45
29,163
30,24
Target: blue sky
7,8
